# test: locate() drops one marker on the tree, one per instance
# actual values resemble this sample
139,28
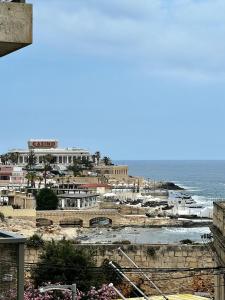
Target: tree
14,157
40,179
31,160
31,177
4,159
93,158
47,160
98,156
62,262
46,199
107,161
76,168
86,163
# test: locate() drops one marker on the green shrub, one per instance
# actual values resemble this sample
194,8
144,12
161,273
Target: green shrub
151,251
47,200
186,242
123,242
132,248
63,262
35,242
2,217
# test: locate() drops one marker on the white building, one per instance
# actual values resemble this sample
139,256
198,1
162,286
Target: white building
41,148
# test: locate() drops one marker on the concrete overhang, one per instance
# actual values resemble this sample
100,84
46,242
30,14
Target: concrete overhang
15,26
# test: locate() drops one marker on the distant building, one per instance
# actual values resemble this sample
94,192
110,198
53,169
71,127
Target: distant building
77,200
115,172
99,188
42,147
17,199
10,174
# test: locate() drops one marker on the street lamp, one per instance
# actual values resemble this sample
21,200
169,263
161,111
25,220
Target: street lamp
71,287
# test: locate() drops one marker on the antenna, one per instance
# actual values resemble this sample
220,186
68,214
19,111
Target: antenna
131,282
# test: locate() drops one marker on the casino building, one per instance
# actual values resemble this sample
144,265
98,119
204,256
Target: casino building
41,148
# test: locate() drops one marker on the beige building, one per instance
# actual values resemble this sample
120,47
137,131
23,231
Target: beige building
113,172
17,199
42,147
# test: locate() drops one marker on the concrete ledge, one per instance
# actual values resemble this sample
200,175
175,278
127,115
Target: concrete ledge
15,26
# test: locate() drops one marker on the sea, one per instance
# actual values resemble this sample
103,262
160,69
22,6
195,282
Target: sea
203,180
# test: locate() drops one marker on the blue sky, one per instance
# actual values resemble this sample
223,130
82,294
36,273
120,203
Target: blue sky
135,79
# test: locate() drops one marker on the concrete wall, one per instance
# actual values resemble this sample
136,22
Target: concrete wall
156,256
15,26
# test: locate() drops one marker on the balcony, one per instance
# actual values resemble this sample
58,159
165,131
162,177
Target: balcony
15,26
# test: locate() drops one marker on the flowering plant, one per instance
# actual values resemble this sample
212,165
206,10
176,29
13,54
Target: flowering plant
30,293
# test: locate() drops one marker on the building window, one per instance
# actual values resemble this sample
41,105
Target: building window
60,159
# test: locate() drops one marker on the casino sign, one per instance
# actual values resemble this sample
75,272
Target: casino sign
42,144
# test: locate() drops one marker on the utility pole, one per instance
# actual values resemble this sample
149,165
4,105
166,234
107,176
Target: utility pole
142,273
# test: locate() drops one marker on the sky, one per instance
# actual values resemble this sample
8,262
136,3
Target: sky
135,79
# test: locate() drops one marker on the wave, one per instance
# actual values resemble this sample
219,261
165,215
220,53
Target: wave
188,230
188,188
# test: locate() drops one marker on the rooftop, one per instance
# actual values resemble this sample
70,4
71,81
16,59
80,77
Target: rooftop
9,237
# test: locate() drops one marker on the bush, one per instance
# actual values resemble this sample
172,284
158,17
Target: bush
124,242
47,200
65,263
2,217
35,242
151,251
186,242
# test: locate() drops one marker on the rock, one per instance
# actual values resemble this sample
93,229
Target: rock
168,186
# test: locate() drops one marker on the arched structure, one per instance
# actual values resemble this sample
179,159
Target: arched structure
107,217
100,222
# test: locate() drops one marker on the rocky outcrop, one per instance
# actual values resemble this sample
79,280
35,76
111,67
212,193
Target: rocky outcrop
168,186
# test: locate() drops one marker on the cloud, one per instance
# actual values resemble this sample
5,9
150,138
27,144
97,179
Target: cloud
177,36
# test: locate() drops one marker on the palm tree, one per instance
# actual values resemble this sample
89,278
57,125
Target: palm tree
4,159
98,156
94,158
31,177
31,160
40,179
47,160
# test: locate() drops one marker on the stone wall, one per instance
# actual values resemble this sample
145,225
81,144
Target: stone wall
8,211
157,257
